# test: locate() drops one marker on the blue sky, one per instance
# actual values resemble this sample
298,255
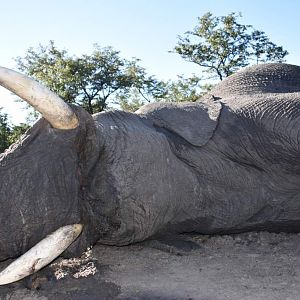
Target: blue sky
146,29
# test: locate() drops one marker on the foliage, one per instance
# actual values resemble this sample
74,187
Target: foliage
9,134
181,90
17,131
4,132
144,89
186,89
131,104
91,81
222,45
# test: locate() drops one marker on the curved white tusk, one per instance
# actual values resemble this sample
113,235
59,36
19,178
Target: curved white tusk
53,108
41,254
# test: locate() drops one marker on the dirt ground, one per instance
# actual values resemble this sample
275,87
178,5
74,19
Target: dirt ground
243,266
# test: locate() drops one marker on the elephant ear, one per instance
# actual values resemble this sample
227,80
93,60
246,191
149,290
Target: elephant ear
195,122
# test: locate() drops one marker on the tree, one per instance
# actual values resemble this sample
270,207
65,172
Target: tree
144,89
265,51
222,45
17,131
4,132
91,81
9,134
186,89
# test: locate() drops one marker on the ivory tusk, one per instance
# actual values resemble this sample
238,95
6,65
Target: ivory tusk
41,254
53,108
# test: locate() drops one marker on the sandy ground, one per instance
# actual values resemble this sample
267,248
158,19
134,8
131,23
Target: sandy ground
244,266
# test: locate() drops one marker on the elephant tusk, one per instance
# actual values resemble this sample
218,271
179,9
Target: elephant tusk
53,108
41,254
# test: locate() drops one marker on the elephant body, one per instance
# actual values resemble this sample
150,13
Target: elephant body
226,164
229,163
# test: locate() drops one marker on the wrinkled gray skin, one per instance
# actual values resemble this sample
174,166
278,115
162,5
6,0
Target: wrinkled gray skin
229,163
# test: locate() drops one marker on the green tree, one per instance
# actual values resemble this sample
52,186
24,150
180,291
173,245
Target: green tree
222,45
16,132
9,134
144,89
4,132
91,81
186,89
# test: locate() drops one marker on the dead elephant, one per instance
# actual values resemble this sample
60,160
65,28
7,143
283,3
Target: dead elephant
228,163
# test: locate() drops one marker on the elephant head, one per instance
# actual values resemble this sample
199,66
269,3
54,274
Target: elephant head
41,179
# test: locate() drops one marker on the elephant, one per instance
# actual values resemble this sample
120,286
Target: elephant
227,163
